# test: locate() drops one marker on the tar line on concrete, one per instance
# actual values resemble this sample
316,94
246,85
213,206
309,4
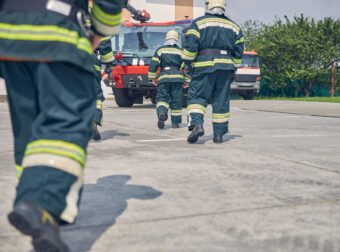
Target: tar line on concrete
273,186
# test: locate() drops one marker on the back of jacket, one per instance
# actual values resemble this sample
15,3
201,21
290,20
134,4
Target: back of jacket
213,33
169,59
52,35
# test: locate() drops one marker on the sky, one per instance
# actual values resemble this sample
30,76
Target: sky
267,10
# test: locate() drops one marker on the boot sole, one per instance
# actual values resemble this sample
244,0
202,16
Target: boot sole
41,242
161,124
195,139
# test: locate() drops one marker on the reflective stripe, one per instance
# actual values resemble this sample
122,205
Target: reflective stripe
196,108
152,75
241,40
164,104
71,211
169,51
99,105
221,118
44,33
97,68
105,29
176,112
193,32
218,22
19,169
237,61
106,18
213,62
57,147
156,59
171,76
62,163
187,55
107,58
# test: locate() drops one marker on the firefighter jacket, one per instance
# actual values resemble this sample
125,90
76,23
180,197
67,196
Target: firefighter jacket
54,34
105,51
169,59
213,42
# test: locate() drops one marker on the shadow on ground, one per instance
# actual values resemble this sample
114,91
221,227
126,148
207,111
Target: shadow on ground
226,138
101,205
109,134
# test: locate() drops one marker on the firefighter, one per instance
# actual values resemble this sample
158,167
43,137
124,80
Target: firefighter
170,81
212,52
46,61
106,58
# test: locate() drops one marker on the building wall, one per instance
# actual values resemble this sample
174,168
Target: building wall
169,10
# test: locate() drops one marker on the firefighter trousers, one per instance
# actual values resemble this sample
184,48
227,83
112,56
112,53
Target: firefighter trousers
98,117
170,96
51,106
215,88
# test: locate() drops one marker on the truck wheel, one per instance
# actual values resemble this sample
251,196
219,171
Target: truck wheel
122,98
248,96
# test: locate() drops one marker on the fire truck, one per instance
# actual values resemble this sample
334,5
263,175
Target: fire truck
248,76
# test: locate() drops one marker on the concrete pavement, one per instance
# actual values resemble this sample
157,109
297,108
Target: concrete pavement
272,187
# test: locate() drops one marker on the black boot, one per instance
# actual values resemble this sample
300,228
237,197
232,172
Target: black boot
40,225
191,127
175,126
218,139
197,132
95,133
161,119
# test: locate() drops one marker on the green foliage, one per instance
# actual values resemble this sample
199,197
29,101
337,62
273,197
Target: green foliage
295,52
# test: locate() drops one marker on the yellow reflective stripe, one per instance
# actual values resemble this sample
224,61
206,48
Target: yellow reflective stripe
182,65
187,55
97,68
105,18
213,62
99,105
156,59
104,39
196,108
169,50
217,116
193,32
57,147
152,75
44,33
237,61
219,20
171,76
164,104
241,40
107,57
19,170
221,118
62,163
176,112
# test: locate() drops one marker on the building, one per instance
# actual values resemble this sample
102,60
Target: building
168,10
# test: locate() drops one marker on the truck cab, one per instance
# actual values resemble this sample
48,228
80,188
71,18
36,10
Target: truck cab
134,48
248,76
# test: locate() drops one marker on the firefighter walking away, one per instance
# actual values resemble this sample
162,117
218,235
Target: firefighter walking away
213,51
170,81
46,60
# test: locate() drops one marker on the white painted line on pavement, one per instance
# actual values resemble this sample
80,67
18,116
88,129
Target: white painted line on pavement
305,135
161,140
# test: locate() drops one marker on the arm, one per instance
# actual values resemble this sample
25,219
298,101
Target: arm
153,68
191,46
238,49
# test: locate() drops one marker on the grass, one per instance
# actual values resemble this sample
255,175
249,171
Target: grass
307,99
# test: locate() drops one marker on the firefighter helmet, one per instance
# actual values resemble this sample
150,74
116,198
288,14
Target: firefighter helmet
211,4
172,35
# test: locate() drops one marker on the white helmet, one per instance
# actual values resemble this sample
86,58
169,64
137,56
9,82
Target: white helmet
172,35
211,4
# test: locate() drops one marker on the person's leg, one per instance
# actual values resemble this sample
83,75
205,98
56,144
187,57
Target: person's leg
22,98
163,103
98,117
221,104
176,104
55,157
198,96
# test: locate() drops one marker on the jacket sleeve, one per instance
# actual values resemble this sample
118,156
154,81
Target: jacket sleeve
106,16
153,68
238,49
192,42
105,51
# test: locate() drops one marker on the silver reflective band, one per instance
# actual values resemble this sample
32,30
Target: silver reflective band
167,68
59,7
